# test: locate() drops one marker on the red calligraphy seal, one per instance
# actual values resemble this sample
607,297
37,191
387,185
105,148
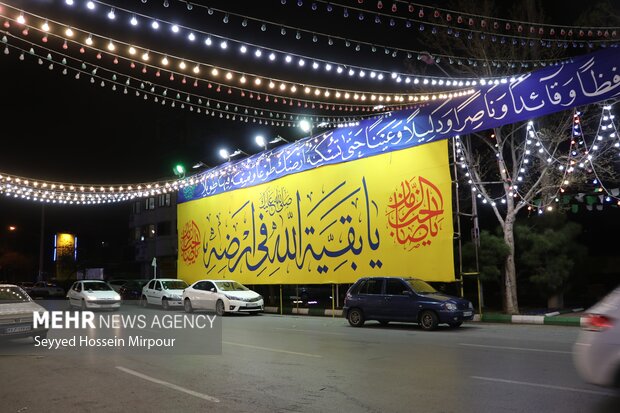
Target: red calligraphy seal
415,213
190,242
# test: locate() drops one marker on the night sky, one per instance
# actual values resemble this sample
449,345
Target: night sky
60,129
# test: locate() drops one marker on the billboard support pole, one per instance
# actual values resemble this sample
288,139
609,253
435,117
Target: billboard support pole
333,302
281,309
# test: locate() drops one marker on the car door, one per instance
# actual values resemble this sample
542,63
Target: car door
370,298
209,295
157,293
148,292
73,294
199,295
400,301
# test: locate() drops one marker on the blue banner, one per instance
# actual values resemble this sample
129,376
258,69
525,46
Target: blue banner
586,79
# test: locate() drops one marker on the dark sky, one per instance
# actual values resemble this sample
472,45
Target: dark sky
56,128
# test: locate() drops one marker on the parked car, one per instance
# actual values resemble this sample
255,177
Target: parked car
388,299
93,294
26,286
117,284
596,352
16,313
132,290
166,292
221,296
46,289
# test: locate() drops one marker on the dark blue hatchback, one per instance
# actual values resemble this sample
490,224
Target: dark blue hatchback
388,299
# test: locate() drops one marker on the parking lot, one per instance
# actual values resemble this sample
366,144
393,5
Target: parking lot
308,364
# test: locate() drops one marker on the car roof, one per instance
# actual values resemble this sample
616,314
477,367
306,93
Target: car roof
166,279
217,280
8,285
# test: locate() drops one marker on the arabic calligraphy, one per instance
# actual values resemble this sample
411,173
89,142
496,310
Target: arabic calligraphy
415,213
190,242
275,200
585,79
283,231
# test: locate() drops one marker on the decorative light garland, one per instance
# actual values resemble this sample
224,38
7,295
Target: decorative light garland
471,22
257,81
357,44
232,111
262,53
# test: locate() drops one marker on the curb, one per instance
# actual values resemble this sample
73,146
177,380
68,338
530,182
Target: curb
485,318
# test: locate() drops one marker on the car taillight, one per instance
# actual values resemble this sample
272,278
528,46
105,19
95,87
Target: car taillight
597,322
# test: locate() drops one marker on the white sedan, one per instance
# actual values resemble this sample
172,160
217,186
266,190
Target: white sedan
221,296
16,313
93,294
166,292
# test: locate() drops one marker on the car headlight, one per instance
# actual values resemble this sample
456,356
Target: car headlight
117,297
471,306
450,306
232,297
175,297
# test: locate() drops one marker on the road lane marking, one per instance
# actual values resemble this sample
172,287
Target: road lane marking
545,386
516,348
169,385
309,331
295,353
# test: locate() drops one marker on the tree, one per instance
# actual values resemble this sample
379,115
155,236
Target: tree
548,251
491,255
523,166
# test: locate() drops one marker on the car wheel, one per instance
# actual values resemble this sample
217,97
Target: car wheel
164,304
428,320
143,302
355,317
455,325
219,308
384,322
187,305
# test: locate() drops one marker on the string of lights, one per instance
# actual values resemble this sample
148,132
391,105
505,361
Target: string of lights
271,55
467,20
394,52
185,100
149,55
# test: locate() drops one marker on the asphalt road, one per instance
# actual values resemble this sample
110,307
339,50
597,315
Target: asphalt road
273,363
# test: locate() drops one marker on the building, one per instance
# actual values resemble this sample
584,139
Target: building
153,234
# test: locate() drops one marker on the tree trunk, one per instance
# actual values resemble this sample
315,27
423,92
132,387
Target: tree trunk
511,305
556,301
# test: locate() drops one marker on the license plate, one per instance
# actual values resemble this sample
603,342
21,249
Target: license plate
467,313
251,305
11,330
177,303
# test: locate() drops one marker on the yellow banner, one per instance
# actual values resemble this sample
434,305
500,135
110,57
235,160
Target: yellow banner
389,214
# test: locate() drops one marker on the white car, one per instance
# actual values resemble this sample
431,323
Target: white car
597,351
167,292
93,294
16,313
221,296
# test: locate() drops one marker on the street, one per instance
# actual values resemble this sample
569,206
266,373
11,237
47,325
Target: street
272,363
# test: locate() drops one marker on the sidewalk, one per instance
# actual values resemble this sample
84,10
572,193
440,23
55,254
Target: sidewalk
573,318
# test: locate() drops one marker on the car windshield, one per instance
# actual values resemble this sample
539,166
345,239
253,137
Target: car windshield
10,295
230,286
174,285
96,286
421,287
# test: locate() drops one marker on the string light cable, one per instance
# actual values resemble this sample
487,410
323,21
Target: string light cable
469,22
183,64
242,111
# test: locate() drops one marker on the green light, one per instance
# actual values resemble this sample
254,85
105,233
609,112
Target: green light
179,169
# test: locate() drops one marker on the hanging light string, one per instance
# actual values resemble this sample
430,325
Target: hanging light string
218,86
473,23
606,139
192,101
395,51
261,53
355,44
291,88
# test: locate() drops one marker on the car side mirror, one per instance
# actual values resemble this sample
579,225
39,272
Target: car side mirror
408,292
212,290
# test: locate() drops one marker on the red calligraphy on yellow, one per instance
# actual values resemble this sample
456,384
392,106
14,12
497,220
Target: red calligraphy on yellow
190,242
